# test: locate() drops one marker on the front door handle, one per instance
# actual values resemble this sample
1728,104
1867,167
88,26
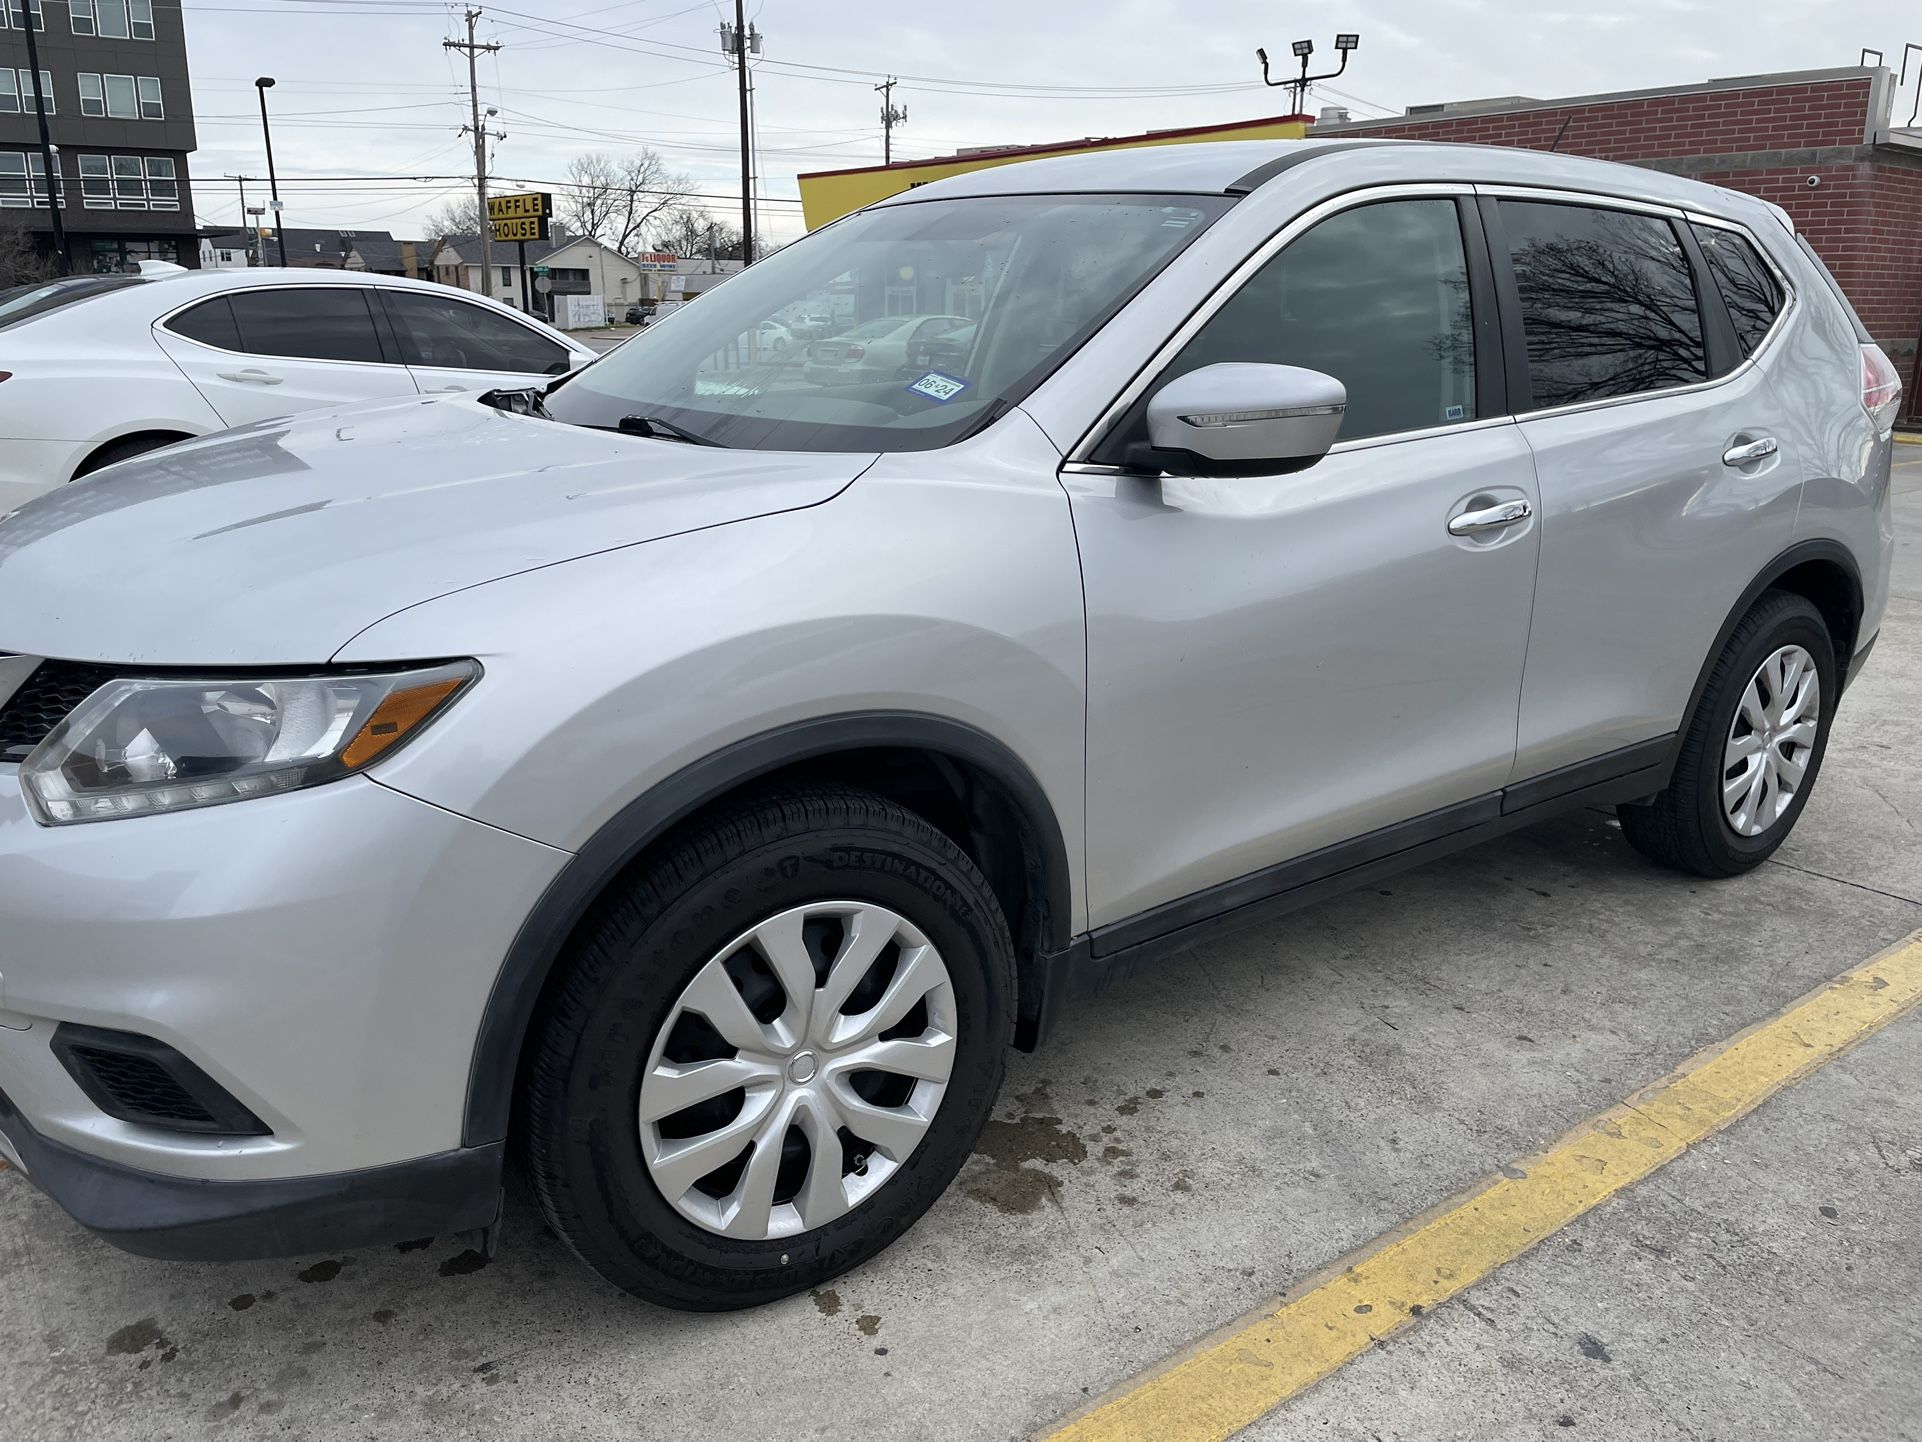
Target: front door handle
1469,523
251,377
1749,454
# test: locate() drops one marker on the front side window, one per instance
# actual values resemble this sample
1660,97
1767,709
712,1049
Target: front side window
1608,302
1749,289
323,323
1035,275
458,336
1376,297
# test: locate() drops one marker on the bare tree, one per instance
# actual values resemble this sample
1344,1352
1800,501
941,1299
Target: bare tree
622,201
695,234
454,217
21,262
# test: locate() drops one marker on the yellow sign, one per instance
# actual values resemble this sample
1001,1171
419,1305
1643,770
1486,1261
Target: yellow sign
531,228
533,205
830,194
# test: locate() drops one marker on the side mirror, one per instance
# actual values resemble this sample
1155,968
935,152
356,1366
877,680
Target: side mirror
1243,420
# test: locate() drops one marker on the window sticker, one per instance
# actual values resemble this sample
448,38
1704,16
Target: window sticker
1454,413
937,387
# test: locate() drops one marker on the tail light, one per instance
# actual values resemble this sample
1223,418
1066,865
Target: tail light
6,375
855,352
1881,386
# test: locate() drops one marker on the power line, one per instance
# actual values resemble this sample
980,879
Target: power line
474,49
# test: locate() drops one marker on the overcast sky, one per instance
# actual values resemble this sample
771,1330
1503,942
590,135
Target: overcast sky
365,89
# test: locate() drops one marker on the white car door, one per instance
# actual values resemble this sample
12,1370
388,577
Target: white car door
259,354
452,344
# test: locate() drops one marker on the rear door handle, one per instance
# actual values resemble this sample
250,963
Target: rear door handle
1753,451
1469,523
251,377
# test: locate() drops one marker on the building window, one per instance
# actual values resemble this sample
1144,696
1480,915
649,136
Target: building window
113,19
16,91
129,182
150,105
507,275
23,181
13,14
92,95
122,97
122,100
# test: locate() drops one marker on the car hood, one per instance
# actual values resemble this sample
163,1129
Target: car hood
277,543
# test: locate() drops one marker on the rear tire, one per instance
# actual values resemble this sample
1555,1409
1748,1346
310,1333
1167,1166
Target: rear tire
702,933
1718,817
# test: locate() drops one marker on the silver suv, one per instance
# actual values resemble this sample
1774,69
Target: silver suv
691,778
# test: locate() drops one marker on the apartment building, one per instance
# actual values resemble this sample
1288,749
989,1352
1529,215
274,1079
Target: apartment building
113,75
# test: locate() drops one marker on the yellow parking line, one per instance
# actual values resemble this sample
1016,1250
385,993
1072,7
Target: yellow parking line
1224,1382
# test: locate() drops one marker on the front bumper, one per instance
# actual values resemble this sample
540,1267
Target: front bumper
324,955
182,1220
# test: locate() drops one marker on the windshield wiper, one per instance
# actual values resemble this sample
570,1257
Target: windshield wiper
661,430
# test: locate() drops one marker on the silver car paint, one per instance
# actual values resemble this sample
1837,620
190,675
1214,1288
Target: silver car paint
617,670
944,582
276,543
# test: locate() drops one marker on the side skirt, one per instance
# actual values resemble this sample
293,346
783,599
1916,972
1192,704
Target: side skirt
1117,951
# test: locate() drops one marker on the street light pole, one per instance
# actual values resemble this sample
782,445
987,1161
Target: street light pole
47,154
263,85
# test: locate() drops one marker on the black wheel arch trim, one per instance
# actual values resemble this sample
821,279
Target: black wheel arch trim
1799,554
537,947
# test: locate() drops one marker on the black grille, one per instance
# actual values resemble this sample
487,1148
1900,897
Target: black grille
138,1079
43,701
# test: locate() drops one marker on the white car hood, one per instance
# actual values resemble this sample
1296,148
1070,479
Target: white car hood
277,543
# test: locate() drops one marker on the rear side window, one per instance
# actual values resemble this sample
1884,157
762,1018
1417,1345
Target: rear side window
211,323
1608,302
1749,288
1377,297
331,324
460,336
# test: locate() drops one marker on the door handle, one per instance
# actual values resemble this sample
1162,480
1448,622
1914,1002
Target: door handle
252,377
1469,523
1750,453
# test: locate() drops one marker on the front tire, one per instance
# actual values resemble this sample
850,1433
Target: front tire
770,1052
1753,749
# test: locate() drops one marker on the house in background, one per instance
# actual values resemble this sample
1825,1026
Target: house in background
307,249
575,266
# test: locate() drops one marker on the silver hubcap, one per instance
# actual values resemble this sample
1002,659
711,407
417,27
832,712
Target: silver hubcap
798,1070
1770,741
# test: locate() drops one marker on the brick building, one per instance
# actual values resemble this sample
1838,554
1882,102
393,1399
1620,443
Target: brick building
1819,143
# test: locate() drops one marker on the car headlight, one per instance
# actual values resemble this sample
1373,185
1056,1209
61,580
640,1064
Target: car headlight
143,745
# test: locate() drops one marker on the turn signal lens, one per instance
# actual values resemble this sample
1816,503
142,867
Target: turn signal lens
395,718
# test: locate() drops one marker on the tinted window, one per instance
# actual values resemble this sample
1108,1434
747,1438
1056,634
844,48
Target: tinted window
1376,297
211,323
1608,305
331,324
1748,286
460,336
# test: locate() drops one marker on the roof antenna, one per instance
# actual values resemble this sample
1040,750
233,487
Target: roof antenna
1560,133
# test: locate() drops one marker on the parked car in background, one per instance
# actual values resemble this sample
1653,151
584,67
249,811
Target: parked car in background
946,352
99,368
693,791
874,350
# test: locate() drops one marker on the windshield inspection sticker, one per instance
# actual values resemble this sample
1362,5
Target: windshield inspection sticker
937,387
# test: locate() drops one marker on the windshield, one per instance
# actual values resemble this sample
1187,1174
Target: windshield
899,328
24,302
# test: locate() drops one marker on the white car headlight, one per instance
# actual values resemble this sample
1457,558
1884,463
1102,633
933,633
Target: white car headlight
143,745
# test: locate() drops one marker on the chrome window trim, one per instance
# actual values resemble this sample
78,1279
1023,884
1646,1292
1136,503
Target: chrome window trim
1230,286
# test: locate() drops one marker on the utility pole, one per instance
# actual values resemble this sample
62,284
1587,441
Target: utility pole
737,41
30,12
474,48
890,117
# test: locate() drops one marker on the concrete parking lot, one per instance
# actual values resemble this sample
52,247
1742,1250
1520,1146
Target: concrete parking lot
1195,1142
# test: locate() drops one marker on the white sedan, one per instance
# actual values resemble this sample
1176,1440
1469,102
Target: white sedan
97,368
876,350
